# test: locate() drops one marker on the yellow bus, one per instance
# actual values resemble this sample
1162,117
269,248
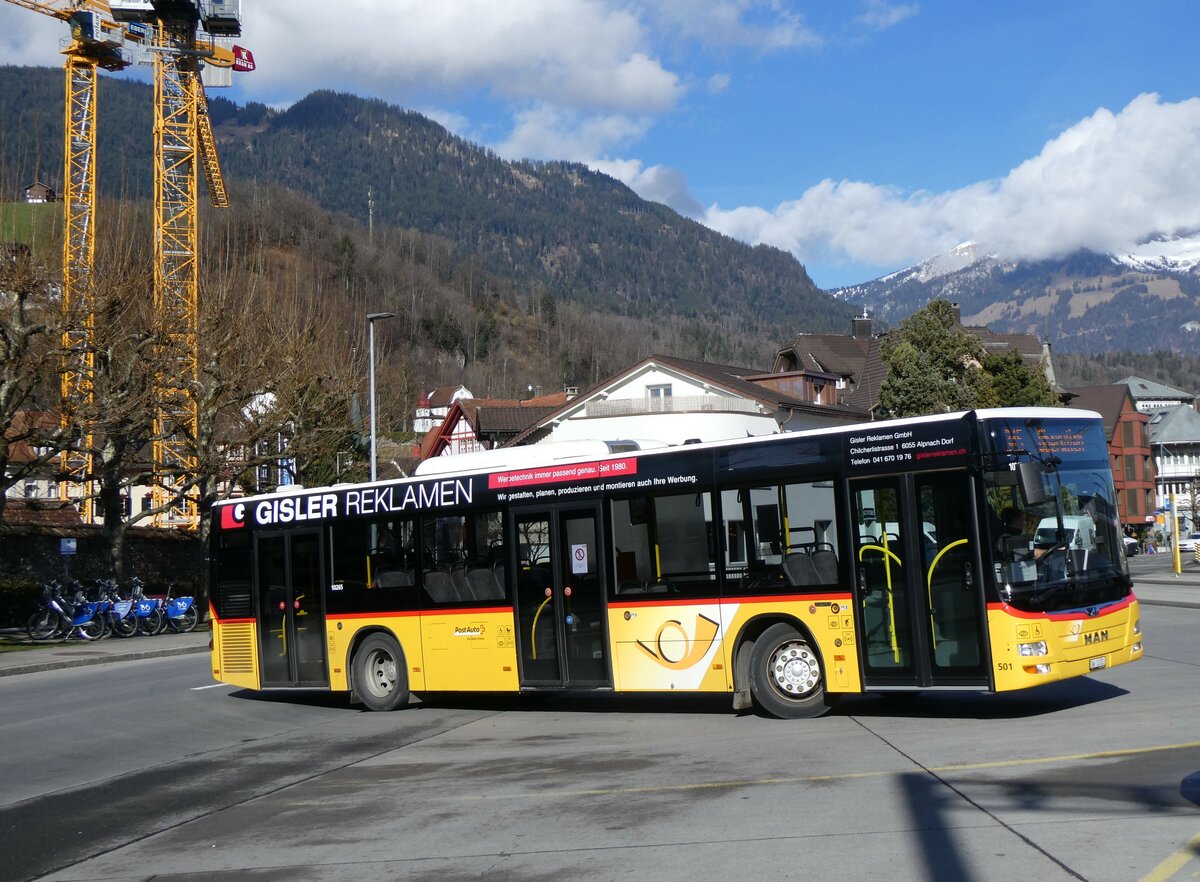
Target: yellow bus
782,570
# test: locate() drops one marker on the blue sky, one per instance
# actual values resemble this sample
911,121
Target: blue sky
861,135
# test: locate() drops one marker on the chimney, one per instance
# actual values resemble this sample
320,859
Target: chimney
860,328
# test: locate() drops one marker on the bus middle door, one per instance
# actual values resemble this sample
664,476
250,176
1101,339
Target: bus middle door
292,614
559,569
919,600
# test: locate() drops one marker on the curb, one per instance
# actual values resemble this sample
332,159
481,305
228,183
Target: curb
1180,604
100,659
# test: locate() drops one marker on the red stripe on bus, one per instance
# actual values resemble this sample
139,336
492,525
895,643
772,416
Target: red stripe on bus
729,601
1063,616
221,621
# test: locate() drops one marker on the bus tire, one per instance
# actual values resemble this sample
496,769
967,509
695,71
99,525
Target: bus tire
786,679
380,674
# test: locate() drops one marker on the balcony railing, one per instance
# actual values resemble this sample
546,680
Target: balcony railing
671,404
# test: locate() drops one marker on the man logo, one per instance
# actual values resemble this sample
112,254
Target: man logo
672,648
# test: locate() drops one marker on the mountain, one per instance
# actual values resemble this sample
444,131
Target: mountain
1145,300
554,227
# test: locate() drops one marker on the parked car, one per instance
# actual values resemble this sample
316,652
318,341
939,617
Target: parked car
1131,546
1188,542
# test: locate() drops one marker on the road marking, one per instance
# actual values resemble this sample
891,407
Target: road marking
1104,754
848,776
1175,862
213,686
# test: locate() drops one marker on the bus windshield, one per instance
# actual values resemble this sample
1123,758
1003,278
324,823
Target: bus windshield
1056,546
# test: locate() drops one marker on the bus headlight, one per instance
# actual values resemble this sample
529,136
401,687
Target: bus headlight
1137,627
1038,648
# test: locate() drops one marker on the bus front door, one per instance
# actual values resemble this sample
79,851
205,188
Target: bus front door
559,571
919,602
291,618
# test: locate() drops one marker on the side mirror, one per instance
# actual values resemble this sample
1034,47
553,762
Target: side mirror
1029,479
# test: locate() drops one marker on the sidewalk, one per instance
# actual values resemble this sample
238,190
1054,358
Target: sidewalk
1158,587
74,653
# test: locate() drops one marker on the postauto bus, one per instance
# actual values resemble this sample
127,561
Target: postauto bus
782,570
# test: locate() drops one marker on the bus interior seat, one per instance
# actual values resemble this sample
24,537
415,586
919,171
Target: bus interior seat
439,586
483,585
458,579
394,579
826,562
800,570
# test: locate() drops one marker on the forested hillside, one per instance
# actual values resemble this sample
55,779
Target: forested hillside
1178,370
521,240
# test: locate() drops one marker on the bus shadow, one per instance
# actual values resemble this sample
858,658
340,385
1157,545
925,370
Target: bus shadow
587,702
1048,699
1041,700
299,697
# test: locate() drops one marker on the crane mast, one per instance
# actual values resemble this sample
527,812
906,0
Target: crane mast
96,42
183,142
176,271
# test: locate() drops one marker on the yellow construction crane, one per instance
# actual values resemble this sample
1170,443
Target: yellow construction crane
183,138
97,41
183,143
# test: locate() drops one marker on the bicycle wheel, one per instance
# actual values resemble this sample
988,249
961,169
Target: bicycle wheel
186,622
126,626
43,625
151,624
92,629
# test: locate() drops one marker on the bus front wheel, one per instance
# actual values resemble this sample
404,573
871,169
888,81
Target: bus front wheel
786,679
380,677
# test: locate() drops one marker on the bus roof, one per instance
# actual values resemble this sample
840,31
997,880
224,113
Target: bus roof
554,452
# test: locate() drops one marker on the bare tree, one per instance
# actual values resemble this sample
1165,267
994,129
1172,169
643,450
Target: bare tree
28,366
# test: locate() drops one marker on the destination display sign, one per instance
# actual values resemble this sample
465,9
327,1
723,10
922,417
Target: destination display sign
889,448
1058,439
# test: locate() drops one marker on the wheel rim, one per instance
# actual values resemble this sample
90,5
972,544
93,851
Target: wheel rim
381,673
794,669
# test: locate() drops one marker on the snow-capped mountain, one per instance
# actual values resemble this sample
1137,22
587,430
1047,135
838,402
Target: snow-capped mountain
1145,299
1179,254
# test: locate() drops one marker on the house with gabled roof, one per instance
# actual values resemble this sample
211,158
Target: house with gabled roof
857,361
1127,433
676,400
1175,446
1150,396
433,407
38,193
474,424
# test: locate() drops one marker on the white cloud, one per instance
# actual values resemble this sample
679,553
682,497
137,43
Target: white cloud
763,25
880,14
30,39
578,53
718,83
658,183
452,121
1105,183
546,132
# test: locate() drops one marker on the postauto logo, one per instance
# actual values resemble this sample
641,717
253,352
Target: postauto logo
233,516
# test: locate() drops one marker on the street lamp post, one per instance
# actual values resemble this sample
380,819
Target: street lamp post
373,317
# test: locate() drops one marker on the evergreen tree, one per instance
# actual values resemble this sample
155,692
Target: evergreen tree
933,365
1015,383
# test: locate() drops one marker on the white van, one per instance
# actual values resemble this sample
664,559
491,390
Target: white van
1079,530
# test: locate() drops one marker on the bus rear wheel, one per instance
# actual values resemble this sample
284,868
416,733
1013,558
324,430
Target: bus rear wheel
380,677
786,679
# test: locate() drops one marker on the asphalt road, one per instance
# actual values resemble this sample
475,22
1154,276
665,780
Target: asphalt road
146,770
